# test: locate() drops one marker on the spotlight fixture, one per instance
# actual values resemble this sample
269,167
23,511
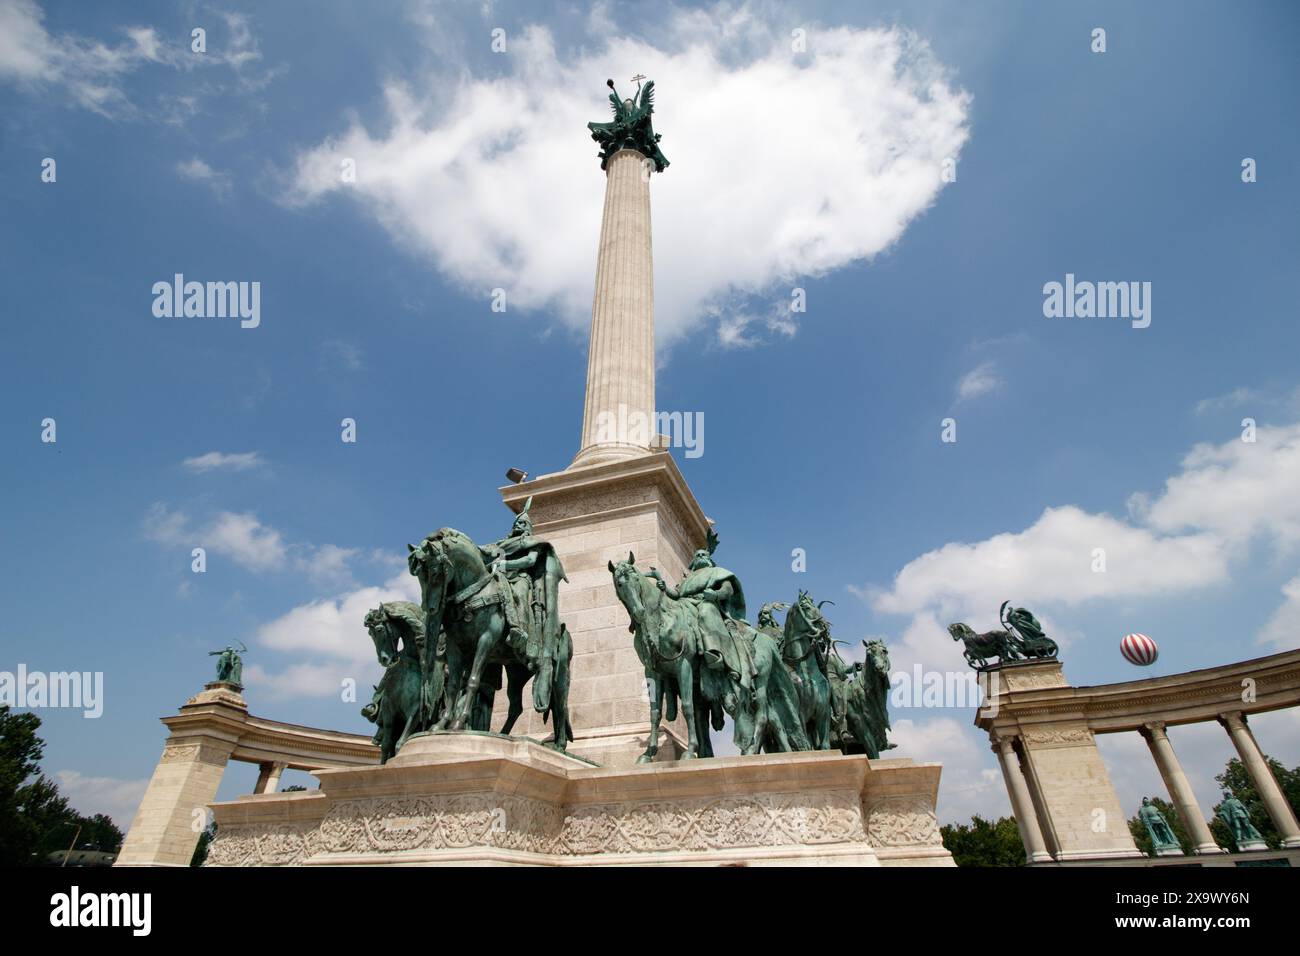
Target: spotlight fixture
516,475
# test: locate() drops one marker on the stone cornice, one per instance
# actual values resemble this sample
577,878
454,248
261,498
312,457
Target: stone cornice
658,468
1188,697
256,739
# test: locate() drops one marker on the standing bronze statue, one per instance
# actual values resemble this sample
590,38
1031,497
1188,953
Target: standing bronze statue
1158,828
230,665
1236,818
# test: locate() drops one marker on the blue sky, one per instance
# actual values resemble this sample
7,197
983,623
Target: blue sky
815,169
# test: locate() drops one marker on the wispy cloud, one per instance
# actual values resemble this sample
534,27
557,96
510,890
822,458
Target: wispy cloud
980,380
92,73
198,171
112,796
214,460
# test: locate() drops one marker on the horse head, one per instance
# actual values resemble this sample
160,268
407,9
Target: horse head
432,567
877,656
628,586
383,635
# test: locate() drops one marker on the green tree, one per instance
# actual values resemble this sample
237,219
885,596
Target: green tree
30,804
94,833
1143,839
201,848
34,820
984,842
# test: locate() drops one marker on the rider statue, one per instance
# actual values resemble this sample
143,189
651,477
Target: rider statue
532,572
767,621
719,606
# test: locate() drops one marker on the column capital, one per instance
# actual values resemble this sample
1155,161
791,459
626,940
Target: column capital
1003,743
1233,720
1155,729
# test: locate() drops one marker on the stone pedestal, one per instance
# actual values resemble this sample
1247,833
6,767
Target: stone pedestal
465,799
594,516
1247,846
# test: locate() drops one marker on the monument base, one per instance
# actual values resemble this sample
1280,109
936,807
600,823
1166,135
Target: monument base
478,798
1246,846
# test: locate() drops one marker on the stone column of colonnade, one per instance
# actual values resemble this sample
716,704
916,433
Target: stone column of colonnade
618,416
1270,794
268,777
1022,804
1180,791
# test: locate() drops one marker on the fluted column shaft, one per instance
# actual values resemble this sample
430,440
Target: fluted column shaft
618,416
1180,791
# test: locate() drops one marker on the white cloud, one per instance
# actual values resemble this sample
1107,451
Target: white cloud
196,170
979,381
249,542
112,796
1051,561
1234,398
241,537
329,640
783,165
1238,490
1282,630
236,461
1186,537
92,72
970,782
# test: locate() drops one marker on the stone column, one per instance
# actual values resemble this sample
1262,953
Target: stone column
268,777
1262,777
618,417
1180,791
1022,805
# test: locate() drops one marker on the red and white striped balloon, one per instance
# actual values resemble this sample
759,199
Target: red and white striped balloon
1139,649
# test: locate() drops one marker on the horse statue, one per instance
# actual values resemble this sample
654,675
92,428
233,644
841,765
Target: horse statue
463,599
804,649
1021,638
866,703
666,637
980,649
403,703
